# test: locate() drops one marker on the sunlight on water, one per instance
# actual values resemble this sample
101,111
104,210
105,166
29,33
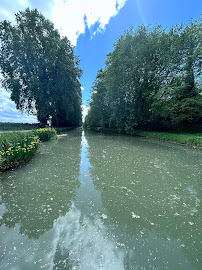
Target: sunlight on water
95,201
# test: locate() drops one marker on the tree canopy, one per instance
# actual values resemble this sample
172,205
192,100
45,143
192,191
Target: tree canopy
40,69
152,80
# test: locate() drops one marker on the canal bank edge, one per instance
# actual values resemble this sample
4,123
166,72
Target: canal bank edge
15,152
184,139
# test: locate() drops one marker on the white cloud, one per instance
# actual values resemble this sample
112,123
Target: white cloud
9,113
6,15
9,7
24,3
68,16
80,241
85,110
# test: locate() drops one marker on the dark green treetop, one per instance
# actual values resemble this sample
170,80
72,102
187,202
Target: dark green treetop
40,69
152,80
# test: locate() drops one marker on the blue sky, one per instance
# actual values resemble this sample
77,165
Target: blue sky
93,27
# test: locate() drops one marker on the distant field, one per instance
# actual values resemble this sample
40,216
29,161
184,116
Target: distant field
16,126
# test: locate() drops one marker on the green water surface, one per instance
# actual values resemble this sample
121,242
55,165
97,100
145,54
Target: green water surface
98,201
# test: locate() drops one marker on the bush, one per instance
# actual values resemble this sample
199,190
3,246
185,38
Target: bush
17,148
63,129
44,134
18,153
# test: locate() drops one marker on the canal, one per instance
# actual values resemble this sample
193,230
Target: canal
99,201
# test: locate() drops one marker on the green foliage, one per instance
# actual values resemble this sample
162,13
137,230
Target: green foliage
99,113
17,148
40,69
63,129
12,139
151,81
184,138
44,134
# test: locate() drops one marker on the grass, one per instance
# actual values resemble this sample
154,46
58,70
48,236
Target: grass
190,139
184,138
18,148
5,126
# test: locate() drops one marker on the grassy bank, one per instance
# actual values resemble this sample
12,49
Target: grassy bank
189,139
183,138
63,129
18,148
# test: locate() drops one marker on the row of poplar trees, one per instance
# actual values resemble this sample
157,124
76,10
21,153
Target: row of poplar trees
40,69
152,80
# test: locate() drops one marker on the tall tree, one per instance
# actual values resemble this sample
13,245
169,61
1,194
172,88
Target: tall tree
180,99
40,69
152,80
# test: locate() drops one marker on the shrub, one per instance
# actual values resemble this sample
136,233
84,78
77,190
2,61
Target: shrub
17,148
63,129
44,134
19,153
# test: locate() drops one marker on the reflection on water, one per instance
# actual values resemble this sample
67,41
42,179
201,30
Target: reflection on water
75,242
149,190
36,195
103,202
84,243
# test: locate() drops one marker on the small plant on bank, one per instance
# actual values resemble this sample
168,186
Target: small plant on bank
18,154
63,129
45,134
17,148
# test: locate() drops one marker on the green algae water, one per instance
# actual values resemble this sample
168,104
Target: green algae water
98,201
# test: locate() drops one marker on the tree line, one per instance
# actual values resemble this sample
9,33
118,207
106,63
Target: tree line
151,81
40,69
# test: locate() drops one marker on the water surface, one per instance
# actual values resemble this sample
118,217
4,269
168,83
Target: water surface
98,201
